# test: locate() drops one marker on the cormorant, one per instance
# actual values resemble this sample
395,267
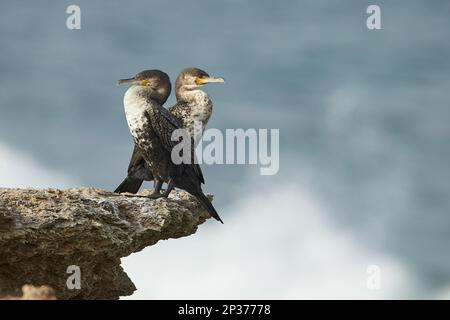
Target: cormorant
152,126
192,105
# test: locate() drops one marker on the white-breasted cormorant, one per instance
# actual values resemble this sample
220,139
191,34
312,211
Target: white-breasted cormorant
192,105
151,126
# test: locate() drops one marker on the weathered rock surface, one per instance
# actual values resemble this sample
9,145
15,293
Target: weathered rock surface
30,292
43,232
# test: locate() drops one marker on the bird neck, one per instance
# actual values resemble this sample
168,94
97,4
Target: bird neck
192,97
137,96
142,93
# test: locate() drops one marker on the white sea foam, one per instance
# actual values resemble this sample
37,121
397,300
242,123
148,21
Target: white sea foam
273,245
19,169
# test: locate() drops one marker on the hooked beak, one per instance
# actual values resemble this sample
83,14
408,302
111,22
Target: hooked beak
125,81
134,81
202,81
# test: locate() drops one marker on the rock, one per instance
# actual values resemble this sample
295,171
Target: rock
30,292
46,235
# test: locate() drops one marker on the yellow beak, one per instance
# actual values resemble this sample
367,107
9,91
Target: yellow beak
205,80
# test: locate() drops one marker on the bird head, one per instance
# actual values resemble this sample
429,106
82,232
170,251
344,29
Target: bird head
156,82
192,78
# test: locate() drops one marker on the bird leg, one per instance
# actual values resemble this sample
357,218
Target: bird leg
169,189
165,194
157,190
154,195
157,185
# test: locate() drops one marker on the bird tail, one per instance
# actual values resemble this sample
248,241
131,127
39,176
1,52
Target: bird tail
130,185
208,205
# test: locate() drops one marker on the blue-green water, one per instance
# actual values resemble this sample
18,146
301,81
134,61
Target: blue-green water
363,115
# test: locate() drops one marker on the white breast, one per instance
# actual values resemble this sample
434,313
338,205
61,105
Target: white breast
135,107
202,106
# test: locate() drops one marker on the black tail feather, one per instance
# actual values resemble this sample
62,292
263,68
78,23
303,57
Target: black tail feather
208,205
190,180
130,185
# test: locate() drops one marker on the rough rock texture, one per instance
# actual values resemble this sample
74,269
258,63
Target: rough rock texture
30,292
43,232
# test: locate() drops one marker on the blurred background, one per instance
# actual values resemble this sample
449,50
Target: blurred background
363,116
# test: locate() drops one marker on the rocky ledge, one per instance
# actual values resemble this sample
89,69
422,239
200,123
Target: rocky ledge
72,240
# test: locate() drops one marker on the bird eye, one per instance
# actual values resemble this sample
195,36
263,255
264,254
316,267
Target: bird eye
198,80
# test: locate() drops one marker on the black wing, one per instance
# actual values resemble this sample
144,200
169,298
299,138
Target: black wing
138,168
136,159
164,124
